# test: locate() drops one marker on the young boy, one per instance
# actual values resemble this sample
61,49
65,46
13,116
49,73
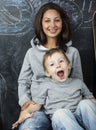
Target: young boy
67,102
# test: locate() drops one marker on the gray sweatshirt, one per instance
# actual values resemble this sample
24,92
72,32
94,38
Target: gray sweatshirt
32,69
54,95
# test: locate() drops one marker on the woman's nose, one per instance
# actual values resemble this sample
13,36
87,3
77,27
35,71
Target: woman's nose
52,23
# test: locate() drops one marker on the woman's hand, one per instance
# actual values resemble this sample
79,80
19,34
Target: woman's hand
27,111
25,105
23,116
93,100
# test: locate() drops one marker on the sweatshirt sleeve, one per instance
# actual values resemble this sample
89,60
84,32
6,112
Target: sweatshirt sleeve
76,65
24,81
39,92
86,92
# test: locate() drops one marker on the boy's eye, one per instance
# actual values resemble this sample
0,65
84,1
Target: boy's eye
61,61
51,64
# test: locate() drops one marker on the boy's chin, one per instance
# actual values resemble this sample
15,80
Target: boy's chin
60,80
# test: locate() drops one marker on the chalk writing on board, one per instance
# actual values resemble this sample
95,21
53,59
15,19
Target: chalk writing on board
73,11
3,92
15,17
88,7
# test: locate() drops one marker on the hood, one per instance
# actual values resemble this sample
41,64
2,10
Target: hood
35,42
69,43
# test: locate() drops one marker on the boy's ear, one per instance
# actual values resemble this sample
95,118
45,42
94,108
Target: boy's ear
47,73
70,69
69,66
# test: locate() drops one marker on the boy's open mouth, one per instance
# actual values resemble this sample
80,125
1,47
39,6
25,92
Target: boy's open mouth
60,74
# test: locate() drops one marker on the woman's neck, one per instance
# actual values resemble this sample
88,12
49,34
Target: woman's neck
51,43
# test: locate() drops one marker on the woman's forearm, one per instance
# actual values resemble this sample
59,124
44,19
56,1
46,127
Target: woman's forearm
33,107
25,105
93,99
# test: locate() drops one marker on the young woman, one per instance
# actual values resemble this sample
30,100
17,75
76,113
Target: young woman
52,29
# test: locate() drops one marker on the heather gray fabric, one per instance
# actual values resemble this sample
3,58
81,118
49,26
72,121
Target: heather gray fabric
32,68
54,95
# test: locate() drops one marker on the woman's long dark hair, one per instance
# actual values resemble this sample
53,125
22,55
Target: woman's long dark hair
65,34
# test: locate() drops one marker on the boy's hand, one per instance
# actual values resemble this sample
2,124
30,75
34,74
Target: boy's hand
23,116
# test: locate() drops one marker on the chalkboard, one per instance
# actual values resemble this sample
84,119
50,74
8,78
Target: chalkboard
94,30
16,31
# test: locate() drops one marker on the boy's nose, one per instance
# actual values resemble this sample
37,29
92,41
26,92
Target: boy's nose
58,65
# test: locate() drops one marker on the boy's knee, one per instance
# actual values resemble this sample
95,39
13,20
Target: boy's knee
85,104
59,114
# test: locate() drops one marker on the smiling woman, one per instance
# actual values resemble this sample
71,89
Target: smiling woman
52,30
16,31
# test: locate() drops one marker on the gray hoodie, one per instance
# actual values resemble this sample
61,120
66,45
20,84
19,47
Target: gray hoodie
32,69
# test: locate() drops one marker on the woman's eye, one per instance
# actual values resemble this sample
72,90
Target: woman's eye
47,21
57,20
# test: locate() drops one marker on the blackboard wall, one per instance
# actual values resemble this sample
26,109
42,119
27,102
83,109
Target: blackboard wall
16,31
